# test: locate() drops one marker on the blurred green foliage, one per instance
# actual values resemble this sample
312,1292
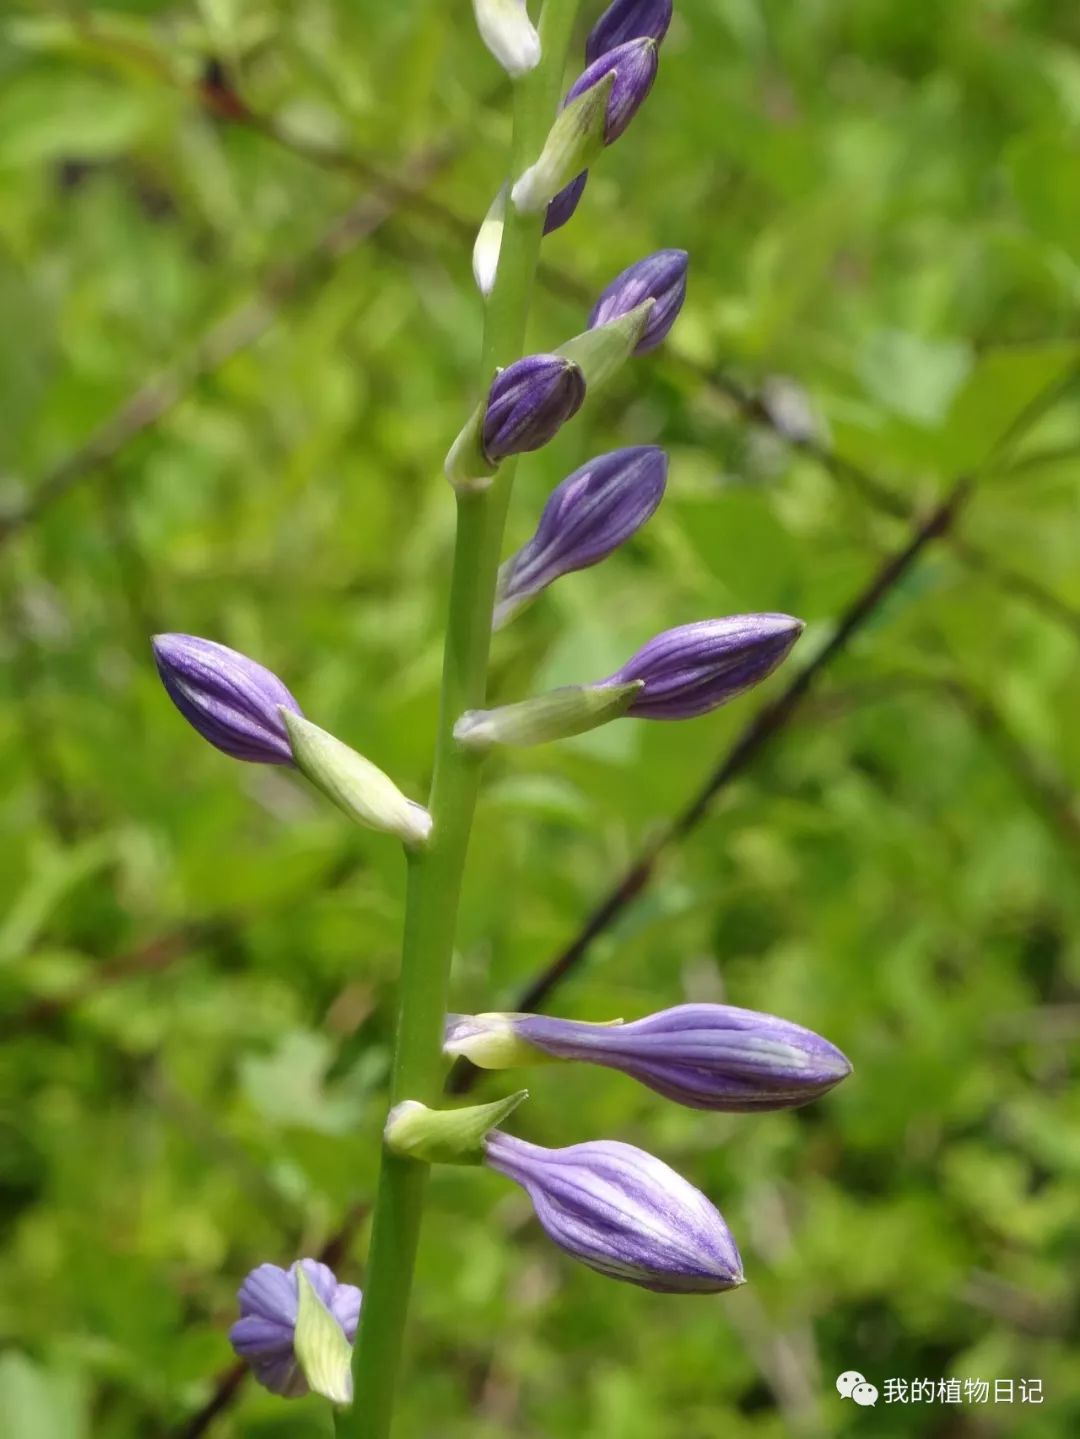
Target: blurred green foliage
881,199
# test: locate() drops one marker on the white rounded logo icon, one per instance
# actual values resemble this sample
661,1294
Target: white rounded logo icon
864,1394
847,1381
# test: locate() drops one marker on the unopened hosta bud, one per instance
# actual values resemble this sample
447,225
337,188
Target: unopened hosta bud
562,207
596,110
354,784
633,66
698,667
628,20
289,1345
660,278
507,31
528,404
588,516
231,700
623,1213
706,1056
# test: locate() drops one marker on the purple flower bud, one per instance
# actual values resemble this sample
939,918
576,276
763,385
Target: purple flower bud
269,1302
565,203
628,20
590,514
528,402
706,1056
634,68
696,668
232,701
661,278
623,1213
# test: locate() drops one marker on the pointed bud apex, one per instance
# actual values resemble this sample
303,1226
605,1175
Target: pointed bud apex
557,715
696,668
322,1351
445,1136
628,20
485,255
660,278
565,203
706,1056
233,702
354,784
265,1334
602,352
623,1213
633,66
573,142
528,404
507,31
589,515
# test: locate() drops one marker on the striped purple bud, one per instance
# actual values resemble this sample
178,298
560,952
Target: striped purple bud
698,667
561,209
628,20
660,278
269,1305
633,67
706,1056
590,514
231,700
528,403
623,1213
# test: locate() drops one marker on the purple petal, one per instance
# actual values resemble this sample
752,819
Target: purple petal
628,20
634,68
230,699
660,277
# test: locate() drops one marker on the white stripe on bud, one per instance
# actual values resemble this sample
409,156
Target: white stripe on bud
354,784
485,255
509,34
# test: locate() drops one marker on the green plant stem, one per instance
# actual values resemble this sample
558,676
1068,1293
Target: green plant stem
434,878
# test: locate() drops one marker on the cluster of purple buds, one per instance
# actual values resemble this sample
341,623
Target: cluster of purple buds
611,1206
265,1333
622,60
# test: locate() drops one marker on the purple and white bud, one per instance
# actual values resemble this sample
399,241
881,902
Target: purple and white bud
265,1333
633,66
595,111
588,516
623,1213
528,403
562,208
698,667
706,1056
231,700
628,20
660,278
